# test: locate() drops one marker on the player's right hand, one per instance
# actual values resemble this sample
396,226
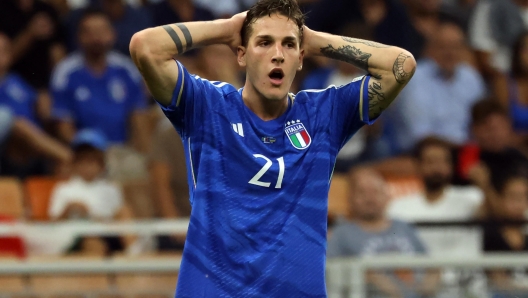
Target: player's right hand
236,22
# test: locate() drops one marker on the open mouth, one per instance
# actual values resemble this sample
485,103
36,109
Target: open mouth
276,76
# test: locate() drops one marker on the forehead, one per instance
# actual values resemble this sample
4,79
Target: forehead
276,25
95,21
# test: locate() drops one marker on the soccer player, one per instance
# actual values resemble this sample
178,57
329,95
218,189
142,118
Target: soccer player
260,159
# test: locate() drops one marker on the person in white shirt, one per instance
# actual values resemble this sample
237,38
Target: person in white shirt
88,195
443,202
440,201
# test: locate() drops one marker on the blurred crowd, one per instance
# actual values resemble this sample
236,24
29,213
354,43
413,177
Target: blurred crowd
73,109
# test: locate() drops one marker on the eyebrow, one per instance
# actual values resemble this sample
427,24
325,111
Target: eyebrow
268,37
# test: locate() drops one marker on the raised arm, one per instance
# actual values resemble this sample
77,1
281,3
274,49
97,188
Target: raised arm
153,49
391,67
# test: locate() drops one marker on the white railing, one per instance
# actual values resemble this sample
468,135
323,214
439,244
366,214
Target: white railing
348,274
343,275
92,228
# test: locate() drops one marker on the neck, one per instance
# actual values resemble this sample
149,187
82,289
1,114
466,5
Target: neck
264,108
97,63
434,195
373,225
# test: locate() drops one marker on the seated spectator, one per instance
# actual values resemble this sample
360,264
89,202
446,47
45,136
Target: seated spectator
126,20
87,194
443,202
17,158
494,144
168,172
512,91
494,27
35,29
500,238
169,182
370,232
440,201
439,98
178,11
14,91
32,136
99,89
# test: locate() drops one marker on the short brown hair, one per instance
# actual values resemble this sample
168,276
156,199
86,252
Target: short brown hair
431,141
287,8
485,108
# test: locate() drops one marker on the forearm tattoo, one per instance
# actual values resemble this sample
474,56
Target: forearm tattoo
176,38
376,98
365,42
399,72
186,34
349,54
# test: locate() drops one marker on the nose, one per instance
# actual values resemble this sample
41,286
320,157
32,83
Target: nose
278,56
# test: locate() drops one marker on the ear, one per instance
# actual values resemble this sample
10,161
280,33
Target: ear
301,57
241,56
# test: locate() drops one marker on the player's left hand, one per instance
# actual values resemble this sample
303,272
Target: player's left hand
236,22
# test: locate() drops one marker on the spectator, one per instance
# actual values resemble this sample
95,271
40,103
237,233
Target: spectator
384,15
439,98
441,201
370,232
508,238
17,158
12,126
87,194
177,11
168,173
494,27
169,181
99,89
511,90
14,91
34,27
494,147
126,20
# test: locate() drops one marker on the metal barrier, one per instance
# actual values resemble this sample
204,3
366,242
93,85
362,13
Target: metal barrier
347,275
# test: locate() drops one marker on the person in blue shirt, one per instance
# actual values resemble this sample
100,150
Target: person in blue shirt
260,158
25,143
99,89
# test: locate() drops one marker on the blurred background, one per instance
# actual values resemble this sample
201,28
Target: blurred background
93,188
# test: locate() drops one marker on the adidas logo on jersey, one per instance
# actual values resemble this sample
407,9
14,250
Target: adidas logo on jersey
237,127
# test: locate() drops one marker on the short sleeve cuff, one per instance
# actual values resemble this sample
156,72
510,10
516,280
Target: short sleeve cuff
364,102
178,90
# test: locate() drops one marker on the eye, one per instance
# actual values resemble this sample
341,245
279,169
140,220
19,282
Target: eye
290,45
264,43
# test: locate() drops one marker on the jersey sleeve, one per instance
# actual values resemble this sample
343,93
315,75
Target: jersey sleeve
190,101
348,109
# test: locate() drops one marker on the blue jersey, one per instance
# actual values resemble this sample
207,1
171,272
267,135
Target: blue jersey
19,97
259,189
103,102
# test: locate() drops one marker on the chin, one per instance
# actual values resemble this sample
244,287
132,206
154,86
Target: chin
275,95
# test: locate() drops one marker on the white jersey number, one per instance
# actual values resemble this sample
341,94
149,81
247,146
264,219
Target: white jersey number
255,180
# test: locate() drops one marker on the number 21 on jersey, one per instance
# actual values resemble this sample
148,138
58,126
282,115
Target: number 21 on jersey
256,179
